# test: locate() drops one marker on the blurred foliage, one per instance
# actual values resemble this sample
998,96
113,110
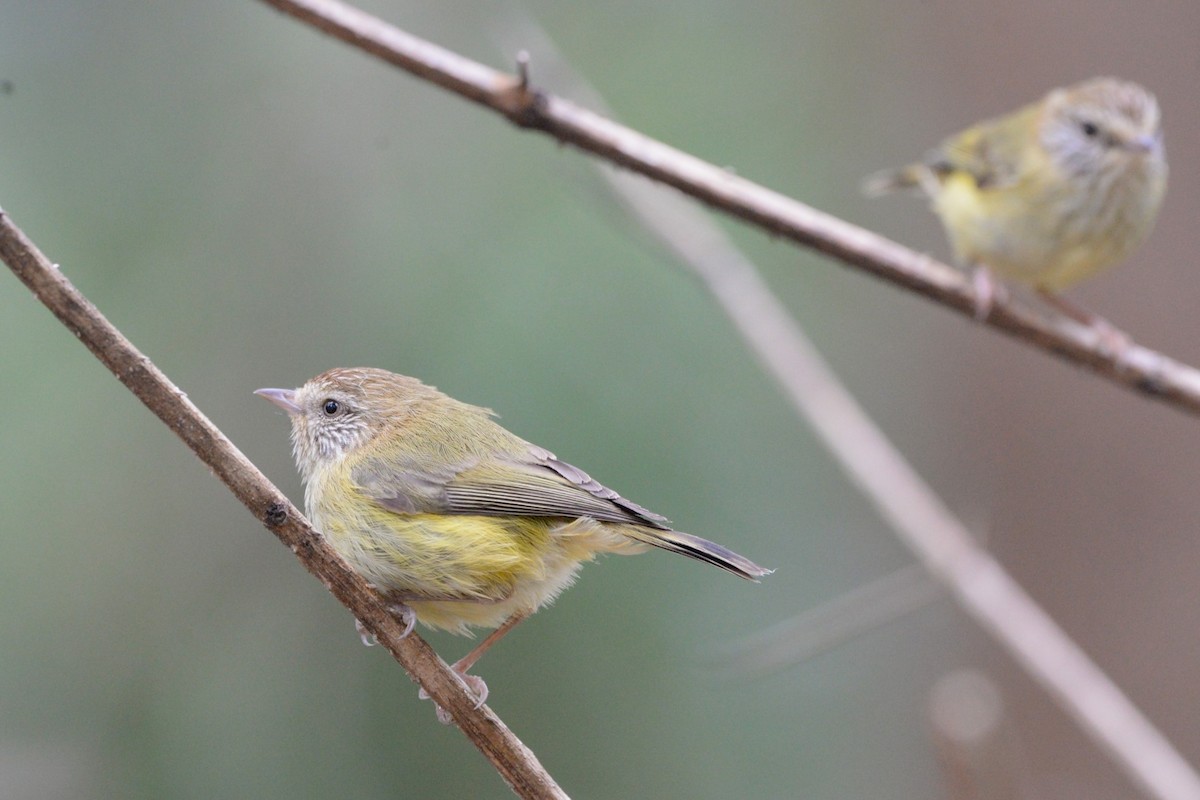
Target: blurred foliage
252,203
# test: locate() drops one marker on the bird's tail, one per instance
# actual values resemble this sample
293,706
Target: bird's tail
887,181
699,549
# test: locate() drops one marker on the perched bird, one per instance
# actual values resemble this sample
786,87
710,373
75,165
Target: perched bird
455,520
1049,194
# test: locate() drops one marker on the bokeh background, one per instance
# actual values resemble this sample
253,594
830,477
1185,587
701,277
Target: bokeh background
252,203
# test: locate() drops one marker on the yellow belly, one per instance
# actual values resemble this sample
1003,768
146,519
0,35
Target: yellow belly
1036,234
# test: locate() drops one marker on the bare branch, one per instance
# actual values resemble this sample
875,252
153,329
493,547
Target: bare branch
1141,369
512,759
916,514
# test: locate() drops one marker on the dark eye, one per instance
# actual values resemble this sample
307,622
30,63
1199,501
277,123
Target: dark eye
331,407
1090,129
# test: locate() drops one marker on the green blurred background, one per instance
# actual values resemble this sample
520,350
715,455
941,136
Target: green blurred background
252,203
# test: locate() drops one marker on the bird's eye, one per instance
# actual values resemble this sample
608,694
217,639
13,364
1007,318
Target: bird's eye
1090,129
331,407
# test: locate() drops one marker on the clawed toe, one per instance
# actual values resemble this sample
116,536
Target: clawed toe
401,612
405,615
477,686
367,637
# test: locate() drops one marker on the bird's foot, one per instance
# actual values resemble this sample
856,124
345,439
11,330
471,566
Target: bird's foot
988,292
406,615
368,638
477,686
398,610
475,683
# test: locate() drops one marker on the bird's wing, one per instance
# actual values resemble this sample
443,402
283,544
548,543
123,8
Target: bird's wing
991,152
532,484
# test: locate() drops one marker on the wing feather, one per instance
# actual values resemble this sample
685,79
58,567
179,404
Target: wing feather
533,484
993,152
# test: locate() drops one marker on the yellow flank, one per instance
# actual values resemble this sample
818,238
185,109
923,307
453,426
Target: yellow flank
1052,193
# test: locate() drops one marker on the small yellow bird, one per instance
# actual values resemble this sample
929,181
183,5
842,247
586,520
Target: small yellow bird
454,519
1049,194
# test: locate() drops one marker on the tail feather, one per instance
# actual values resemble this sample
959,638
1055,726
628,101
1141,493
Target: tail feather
888,181
699,549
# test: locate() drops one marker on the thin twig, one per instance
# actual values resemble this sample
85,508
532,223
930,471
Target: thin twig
832,624
909,505
512,759
1138,368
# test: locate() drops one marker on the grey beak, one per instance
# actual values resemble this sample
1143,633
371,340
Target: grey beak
1146,143
284,398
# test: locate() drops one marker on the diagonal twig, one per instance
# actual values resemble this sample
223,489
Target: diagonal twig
511,758
1139,368
817,630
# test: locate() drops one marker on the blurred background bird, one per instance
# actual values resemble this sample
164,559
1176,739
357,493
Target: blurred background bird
454,519
1049,194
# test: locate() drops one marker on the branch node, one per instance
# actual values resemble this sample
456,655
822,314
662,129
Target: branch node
524,106
523,70
275,515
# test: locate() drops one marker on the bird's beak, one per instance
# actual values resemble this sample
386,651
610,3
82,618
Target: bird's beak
284,398
1146,143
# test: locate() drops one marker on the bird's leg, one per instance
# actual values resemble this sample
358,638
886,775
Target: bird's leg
475,683
1114,341
466,662
988,291
1066,307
